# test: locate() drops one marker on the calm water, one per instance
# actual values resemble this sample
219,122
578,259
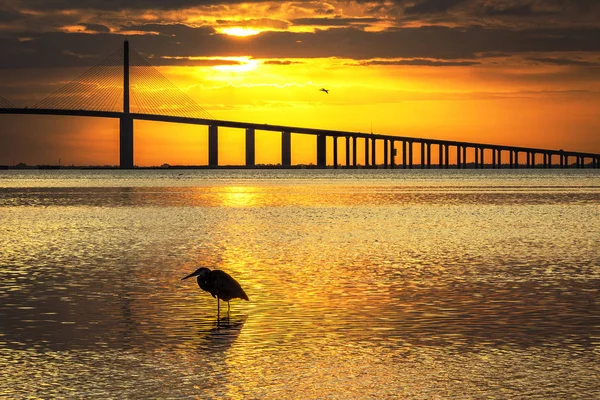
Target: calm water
381,284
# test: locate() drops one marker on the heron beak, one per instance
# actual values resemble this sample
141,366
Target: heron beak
190,275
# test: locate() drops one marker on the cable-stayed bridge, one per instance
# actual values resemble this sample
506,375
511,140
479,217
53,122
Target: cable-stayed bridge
126,87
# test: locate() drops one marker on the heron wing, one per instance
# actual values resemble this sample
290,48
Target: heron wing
226,287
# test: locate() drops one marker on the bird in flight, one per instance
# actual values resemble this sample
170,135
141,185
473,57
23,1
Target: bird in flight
220,285
324,90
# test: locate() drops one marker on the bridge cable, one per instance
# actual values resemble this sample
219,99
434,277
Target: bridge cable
4,103
167,96
82,92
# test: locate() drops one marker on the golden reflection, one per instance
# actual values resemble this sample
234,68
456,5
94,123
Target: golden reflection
238,196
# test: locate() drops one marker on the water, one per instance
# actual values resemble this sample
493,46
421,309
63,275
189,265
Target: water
362,284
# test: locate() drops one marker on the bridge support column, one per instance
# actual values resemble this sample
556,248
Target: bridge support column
354,140
482,158
374,153
428,155
528,154
126,142
286,149
464,156
394,153
335,152
458,154
213,146
499,158
386,150
366,151
447,155
347,151
422,155
250,147
476,155
321,151
404,154
410,154
440,156
511,158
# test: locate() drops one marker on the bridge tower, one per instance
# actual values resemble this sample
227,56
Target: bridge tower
126,121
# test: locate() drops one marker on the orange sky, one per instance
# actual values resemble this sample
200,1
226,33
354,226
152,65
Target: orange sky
525,94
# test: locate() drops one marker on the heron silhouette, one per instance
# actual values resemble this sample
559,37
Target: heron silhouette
220,285
324,90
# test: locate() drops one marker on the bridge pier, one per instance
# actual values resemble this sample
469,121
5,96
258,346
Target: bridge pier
447,155
404,154
386,150
321,151
126,122
250,147
354,140
126,142
213,146
482,158
394,153
373,153
366,152
428,155
476,155
422,155
335,152
410,154
347,151
286,149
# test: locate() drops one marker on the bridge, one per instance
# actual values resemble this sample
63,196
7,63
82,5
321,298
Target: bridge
155,98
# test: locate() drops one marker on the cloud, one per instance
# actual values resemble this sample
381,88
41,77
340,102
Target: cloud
564,62
432,6
281,62
96,28
336,21
52,49
420,62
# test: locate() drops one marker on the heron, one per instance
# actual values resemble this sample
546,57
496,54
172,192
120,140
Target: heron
220,285
324,90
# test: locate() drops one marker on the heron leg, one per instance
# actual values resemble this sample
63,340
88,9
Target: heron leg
218,309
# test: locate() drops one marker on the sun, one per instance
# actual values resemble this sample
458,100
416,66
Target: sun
239,31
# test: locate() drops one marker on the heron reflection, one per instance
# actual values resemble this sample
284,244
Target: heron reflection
220,285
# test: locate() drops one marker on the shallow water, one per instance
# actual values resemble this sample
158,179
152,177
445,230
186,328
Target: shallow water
362,284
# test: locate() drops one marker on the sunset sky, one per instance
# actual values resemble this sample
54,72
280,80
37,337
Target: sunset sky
514,72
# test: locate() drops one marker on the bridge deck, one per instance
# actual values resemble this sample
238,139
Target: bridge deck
291,129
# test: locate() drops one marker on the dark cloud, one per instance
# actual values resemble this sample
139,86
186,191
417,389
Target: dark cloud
441,43
284,62
337,21
432,6
564,62
117,5
421,62
96,28
184,61
516,9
